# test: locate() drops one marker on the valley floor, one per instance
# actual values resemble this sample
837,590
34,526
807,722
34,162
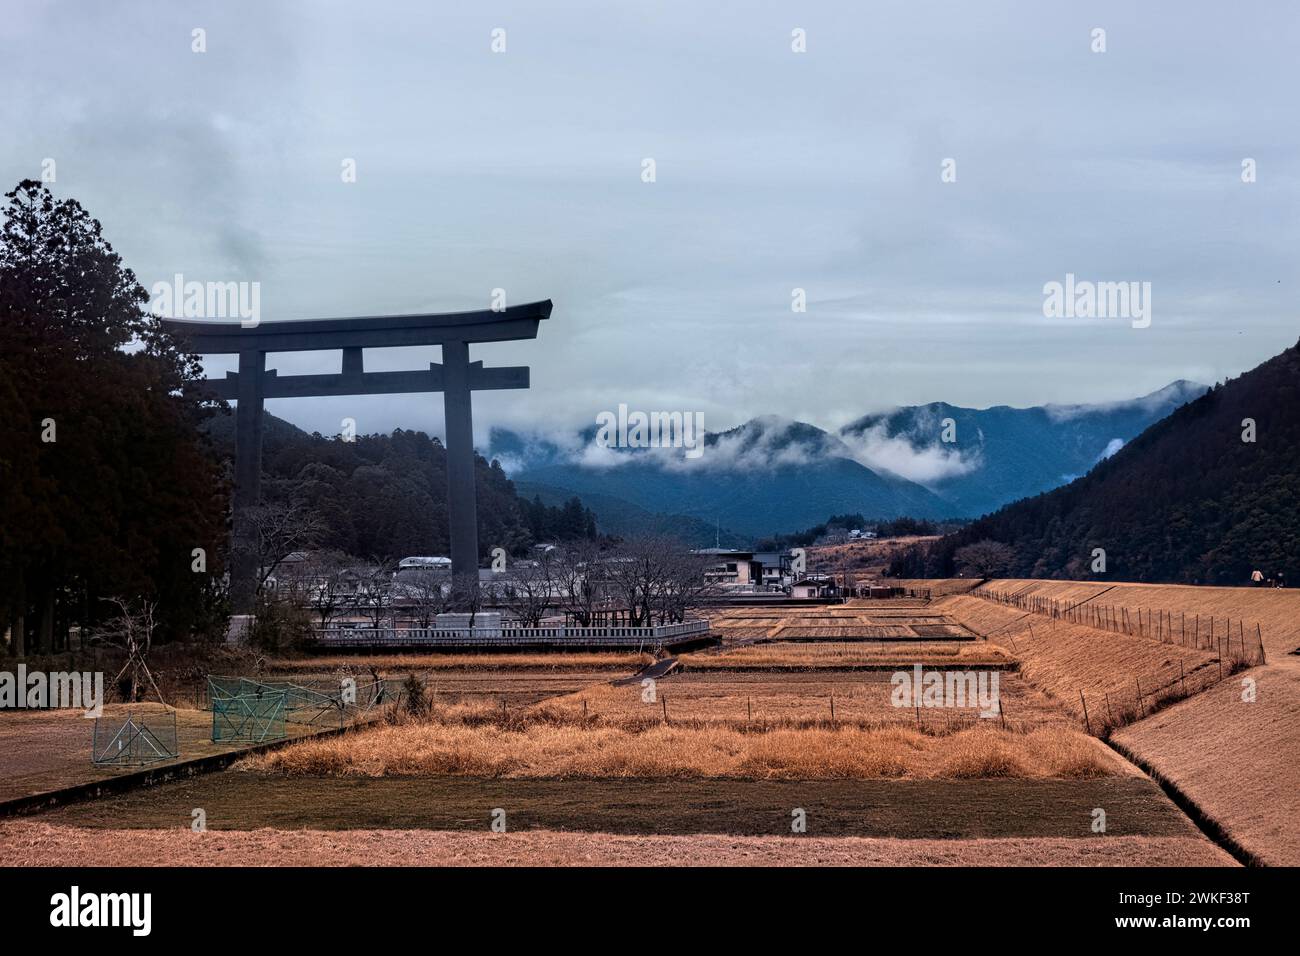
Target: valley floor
713,763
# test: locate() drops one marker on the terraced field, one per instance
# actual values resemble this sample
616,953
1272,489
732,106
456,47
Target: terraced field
706,763
864,621
1228,739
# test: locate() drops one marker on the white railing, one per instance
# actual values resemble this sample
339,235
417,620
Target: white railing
564,634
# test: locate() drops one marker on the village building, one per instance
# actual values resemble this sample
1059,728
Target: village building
729,567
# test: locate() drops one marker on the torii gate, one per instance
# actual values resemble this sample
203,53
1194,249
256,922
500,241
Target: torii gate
456,377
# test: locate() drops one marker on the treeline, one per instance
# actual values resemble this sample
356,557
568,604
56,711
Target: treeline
841,524
109,490
1205,496
385,496
571,521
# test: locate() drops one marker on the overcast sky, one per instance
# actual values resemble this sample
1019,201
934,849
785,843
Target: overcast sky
775,170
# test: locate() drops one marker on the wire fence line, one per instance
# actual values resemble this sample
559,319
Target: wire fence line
1227,637
1235,646
1106,711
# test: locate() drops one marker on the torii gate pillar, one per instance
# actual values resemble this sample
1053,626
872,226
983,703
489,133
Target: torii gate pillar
462,501
244,568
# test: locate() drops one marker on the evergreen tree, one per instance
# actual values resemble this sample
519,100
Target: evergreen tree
109,485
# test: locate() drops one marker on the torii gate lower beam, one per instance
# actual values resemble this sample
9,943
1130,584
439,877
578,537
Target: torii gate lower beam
456,377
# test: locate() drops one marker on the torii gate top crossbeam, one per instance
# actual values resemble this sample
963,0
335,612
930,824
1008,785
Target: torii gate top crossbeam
375,331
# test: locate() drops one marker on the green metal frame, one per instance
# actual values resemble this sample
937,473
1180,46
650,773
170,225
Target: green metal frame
254,717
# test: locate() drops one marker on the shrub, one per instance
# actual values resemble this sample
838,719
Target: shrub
280,626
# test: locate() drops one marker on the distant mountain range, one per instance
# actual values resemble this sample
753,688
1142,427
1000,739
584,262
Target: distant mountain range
1001,453
773,475
1207,495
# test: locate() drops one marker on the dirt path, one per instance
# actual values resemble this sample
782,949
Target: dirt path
44,845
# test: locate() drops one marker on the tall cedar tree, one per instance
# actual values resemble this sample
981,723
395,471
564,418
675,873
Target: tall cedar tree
108,484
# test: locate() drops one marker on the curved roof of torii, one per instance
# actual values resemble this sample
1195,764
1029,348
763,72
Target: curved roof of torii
374,331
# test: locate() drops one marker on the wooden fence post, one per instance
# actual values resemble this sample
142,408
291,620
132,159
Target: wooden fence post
1086,722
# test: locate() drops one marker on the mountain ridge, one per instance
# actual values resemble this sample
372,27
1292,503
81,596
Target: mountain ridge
1205,495
772,474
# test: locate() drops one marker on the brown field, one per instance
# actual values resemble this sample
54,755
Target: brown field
420,663
1276,611
50,749
747,734
863,560
863,620
1064,659
719,720
753,698
847,656
543,747
1238,762
513,688
938,587
915,809
44,845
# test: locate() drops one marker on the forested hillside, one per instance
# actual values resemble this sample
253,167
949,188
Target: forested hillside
385,496
1204,496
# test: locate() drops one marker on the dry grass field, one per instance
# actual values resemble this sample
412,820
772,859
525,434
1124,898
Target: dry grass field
738,735
1238,761
863,621
960,808
758,711
390,664
753,699
541,746
864,561
513,688
848,656
1276,611
1109,668
938,587
49,749
44,845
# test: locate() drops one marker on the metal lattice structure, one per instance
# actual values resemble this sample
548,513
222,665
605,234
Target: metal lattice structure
137,742
320,704
253,717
